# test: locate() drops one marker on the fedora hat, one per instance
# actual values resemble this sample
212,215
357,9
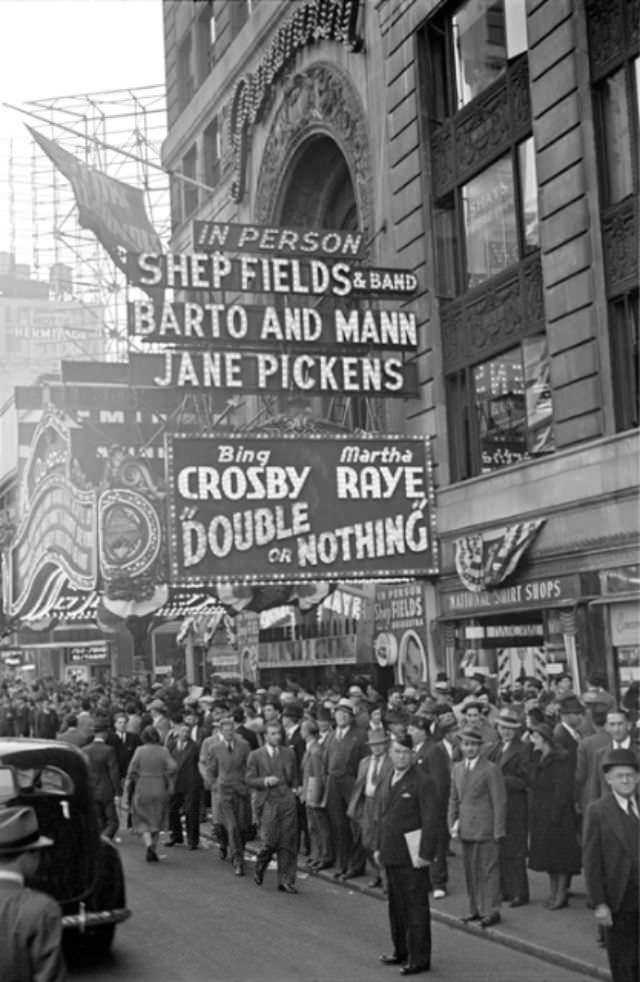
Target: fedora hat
472,734
619,758
508,717
447,721
345,703
570,704
19,831
377,736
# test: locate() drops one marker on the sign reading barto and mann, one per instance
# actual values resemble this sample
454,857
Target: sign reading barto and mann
319,297
264,508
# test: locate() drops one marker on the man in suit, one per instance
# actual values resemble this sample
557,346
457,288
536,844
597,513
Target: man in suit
407,804
362,810
103,767
344,748
124,744
513,758
222,764
618,727
72,733
438,761
566,733
291,720
45,720
30,921
587,759
187,785
611,863
272,773
477,816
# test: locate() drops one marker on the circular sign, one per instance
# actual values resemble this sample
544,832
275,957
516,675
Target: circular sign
412,659
385,647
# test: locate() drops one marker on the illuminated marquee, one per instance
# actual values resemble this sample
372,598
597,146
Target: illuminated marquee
265,508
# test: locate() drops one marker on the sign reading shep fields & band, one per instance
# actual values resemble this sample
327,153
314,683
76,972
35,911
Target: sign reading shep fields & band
264,508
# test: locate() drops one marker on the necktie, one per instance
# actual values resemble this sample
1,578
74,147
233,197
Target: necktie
230,747
631,812
376,769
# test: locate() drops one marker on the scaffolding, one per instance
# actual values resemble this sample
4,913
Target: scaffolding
119,133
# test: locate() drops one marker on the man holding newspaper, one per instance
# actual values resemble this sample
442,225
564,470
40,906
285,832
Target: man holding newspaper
407,839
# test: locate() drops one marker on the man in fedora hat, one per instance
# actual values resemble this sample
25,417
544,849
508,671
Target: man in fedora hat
512,756
372,770
344,749
477,816
30,921
611,863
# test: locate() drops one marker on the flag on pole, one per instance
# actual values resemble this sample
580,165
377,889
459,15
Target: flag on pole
114,211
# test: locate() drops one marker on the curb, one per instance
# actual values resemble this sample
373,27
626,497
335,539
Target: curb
558,958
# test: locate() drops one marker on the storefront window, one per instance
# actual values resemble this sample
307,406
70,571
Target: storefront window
513,405
490,226
485,35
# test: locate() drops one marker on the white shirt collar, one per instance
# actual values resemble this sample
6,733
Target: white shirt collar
622,744
623,803
6,874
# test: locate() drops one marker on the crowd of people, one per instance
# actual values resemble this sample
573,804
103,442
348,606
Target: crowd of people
344,779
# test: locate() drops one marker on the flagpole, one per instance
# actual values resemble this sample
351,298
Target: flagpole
109,146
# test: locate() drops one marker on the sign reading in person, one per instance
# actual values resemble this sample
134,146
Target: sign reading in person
263,508
212,236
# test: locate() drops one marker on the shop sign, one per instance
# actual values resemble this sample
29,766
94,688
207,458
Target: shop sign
530,593
193,325
400,629
211,236
93,652
279,275
263,509
492,636
625,624
234,372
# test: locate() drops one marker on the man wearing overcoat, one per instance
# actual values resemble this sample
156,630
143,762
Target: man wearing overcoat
407,807
222,765
343,750
513,758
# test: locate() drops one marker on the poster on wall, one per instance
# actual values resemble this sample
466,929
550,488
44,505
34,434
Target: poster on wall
247,628
400,631
264,508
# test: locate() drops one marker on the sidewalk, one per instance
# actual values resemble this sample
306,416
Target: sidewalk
566,938
563,937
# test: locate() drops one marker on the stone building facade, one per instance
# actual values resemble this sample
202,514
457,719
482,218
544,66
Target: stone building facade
491,148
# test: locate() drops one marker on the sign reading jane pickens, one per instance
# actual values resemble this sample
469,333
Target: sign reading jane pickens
264,508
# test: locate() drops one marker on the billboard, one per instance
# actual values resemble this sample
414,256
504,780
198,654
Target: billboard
268,508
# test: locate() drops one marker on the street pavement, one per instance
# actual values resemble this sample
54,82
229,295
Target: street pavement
194,921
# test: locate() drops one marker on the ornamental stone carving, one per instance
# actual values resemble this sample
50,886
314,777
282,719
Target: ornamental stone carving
620,238
319,101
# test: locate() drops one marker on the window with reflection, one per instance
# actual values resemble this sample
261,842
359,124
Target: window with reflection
489,210
512,399
485,33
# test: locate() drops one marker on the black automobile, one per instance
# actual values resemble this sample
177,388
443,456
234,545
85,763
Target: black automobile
82,870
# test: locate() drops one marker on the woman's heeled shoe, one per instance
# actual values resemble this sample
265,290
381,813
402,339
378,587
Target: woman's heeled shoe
151,856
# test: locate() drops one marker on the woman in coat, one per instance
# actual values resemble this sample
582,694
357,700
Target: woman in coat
553,845
148,789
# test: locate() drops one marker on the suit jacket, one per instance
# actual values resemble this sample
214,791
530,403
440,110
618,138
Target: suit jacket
563,738
103,766
598,784
222,770
341,757
478,800
586,766
608,854
356,802
124,750
437,765
515,765
313,776
250,736
45,725
297,744
261,765
187,776
408,805
31,932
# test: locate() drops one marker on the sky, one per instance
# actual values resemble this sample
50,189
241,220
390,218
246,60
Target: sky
63,47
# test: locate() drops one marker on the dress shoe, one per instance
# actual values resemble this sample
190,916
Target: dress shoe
377,882
258,875
470,917
414,969
287,888
194,845
490,920
518,902
390,960
174,842
559,903
338,875
320,866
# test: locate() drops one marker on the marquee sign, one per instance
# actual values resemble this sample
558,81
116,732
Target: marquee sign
264,508
312,374
209,236
199,324
281,275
